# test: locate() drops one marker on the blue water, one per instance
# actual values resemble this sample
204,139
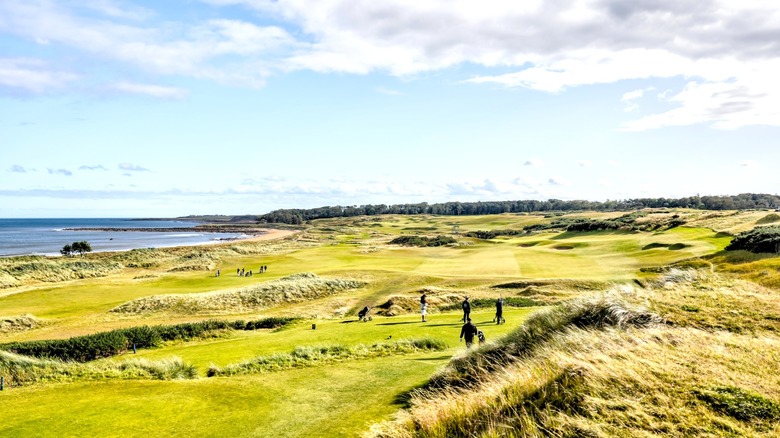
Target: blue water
48,236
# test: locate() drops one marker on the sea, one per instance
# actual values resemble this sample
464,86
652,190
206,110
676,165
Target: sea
48,236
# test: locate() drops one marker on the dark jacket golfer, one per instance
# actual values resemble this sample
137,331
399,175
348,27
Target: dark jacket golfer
468,332
466,309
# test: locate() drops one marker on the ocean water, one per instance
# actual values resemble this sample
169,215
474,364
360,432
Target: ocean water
48,236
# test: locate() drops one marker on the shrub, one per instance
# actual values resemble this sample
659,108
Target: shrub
757,240
107,344
423,241
494,233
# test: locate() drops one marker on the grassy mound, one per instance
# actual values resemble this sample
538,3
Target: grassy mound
43,269
602,368
769,219
591,313
290,289
9,324
23,370
317,355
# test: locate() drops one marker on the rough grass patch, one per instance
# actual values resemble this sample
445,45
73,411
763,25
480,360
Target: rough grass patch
20,370
10,324
291,289
307,356
739,403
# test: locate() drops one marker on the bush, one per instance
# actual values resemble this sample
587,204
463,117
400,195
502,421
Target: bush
494,233
757,240
423,241
107,344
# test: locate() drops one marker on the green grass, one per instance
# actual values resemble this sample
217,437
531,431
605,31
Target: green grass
344,398
327,400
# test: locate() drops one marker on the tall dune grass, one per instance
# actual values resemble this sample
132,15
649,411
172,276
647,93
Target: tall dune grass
597,369
607,310
21,370
290,289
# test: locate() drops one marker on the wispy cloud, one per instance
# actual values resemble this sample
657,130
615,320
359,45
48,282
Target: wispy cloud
155,91
98,167
129,167
17,168
65,172
32,76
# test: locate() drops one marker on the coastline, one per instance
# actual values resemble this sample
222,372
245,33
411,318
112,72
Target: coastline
198,228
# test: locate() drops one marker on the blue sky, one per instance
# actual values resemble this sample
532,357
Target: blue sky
113,108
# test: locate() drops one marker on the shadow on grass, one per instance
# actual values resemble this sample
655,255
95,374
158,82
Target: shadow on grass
454,324
403,399
426,359
571,234
400,323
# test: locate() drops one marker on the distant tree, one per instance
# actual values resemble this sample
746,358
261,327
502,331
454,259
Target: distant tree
67,250
81,247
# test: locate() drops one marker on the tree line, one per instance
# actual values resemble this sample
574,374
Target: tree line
742,201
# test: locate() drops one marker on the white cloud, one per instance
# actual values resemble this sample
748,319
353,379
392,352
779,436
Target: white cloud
156,91
584,163
630,98
32,75
726,50
197,50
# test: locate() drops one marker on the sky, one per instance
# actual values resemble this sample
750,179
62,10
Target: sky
119,108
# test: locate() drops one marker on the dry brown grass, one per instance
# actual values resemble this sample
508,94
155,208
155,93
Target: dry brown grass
20,323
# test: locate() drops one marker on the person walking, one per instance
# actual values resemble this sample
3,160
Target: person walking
467,332
500,310
466,309
423,306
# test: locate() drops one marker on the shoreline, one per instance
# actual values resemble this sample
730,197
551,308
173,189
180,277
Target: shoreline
198,228
257,234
